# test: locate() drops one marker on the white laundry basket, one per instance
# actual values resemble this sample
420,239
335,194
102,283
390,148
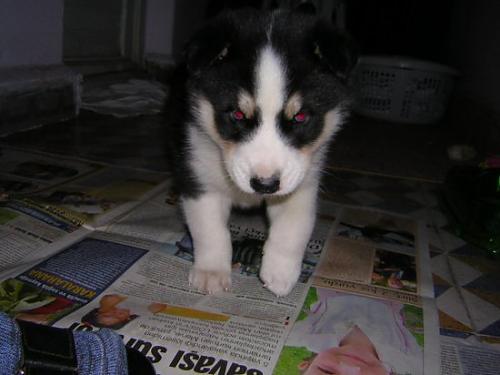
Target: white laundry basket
402,89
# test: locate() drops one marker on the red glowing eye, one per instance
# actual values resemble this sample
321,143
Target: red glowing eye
238,115
300,117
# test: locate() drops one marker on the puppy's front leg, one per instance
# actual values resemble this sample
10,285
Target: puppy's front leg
207,219
292,221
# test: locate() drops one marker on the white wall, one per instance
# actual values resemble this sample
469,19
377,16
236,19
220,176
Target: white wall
30,32
159,26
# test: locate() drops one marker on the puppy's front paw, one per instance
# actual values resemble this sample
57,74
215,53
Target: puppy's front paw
210,281
279,274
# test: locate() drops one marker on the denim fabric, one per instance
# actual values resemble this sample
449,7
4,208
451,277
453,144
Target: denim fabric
98,353
10,345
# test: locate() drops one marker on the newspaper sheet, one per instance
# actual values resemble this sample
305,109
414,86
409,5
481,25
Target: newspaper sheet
86,246
47,202
69,194
138,286
463,358
370,309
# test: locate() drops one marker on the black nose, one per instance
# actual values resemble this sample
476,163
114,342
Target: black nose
267,185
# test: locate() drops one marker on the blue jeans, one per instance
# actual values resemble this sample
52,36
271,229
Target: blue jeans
97,353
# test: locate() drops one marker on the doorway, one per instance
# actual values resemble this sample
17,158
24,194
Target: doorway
102,36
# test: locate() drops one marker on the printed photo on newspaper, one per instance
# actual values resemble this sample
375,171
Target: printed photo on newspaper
368,311
340,333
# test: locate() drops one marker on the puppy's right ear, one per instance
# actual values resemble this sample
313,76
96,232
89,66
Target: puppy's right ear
334,49
208,46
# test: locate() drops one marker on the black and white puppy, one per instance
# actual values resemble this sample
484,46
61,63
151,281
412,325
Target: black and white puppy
260,97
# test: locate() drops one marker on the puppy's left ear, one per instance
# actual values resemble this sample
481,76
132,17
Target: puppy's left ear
206,47
335,49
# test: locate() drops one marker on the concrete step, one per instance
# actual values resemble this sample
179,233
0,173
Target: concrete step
37,95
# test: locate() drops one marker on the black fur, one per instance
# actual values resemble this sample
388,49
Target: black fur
177,116
220,60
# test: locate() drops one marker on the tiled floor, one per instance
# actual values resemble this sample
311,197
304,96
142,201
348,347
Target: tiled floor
408,151
138,142
467,285
466,282
404,150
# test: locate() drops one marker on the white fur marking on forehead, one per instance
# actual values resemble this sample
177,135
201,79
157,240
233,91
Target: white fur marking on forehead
270,83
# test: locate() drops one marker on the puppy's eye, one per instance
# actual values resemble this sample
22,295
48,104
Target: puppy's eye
300,118
238,115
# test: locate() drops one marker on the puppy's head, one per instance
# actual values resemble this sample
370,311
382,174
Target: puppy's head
268,90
